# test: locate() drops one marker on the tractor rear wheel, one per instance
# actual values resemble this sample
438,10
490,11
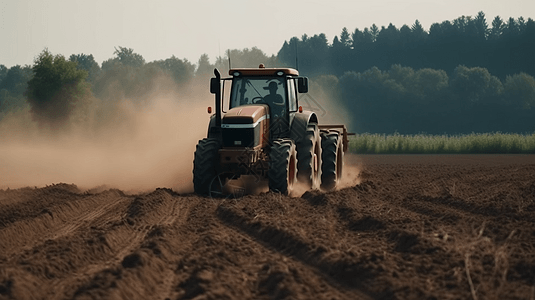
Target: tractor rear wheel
332,157
282,172
309,158
205,165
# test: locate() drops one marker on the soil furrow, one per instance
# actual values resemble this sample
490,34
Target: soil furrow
415,227
60,220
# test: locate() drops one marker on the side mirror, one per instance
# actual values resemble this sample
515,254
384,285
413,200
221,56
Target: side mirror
215,85
302,85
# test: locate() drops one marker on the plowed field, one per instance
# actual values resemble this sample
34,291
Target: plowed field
415,227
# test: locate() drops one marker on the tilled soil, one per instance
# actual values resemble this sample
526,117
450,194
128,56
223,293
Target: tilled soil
415,227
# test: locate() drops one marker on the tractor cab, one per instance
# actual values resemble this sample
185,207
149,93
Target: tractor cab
276,88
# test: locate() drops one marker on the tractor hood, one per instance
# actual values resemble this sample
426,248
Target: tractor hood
246,114
246,126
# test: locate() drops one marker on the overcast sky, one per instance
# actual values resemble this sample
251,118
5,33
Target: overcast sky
158,29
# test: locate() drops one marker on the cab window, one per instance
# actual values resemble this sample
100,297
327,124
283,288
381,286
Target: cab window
262,90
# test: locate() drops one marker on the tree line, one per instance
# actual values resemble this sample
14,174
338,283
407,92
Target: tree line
409,101
55,86
460,76
504,47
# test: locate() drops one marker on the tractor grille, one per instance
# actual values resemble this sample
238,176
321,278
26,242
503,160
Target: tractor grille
241,137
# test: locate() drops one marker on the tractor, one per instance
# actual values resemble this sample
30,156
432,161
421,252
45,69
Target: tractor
265,133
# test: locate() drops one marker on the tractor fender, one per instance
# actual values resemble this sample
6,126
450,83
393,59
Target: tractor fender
300,124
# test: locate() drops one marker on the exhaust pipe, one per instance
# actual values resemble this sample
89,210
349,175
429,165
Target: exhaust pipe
215,88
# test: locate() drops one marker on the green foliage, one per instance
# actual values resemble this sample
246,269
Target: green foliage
110,64
488,143
245,58
16,79
345,39
204,68
472,84
3,73
250,58
87,63
466,40
409,101
182,71
520,90
55,89
10,102
126,76
429,83
329,84
13,84
127,57
313,54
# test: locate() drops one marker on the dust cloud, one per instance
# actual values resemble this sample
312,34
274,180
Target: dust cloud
125,144
130,144
350,172
350,177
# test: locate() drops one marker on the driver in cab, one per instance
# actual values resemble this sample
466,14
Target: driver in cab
273,97
274,100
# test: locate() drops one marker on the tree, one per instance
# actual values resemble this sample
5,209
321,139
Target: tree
3,73
430,84
13,84
345,39
473,84
406,37
418,31
313,54
497,28
374,32
181,70
362,39
204,68
127,57
87,63
511,29
481,26
519,90
336,42
55,89
16,79
110,64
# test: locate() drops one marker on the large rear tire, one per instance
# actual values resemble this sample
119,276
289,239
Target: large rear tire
309,158
282,172
332,157
205,165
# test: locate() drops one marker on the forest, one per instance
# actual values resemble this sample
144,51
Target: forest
457,77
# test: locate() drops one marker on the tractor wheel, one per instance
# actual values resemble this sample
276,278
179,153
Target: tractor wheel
309,158
282,172
332,157
205,165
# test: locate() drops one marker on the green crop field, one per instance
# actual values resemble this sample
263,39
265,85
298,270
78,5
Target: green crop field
491,143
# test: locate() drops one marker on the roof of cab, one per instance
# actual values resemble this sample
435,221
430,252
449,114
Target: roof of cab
263,71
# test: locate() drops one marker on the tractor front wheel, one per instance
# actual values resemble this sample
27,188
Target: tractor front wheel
205,165
282,172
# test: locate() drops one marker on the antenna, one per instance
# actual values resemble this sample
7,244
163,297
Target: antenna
296,57
229,65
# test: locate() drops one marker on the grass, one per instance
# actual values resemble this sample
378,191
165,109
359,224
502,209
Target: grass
476,143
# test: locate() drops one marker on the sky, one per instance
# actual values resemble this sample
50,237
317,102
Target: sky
159,29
